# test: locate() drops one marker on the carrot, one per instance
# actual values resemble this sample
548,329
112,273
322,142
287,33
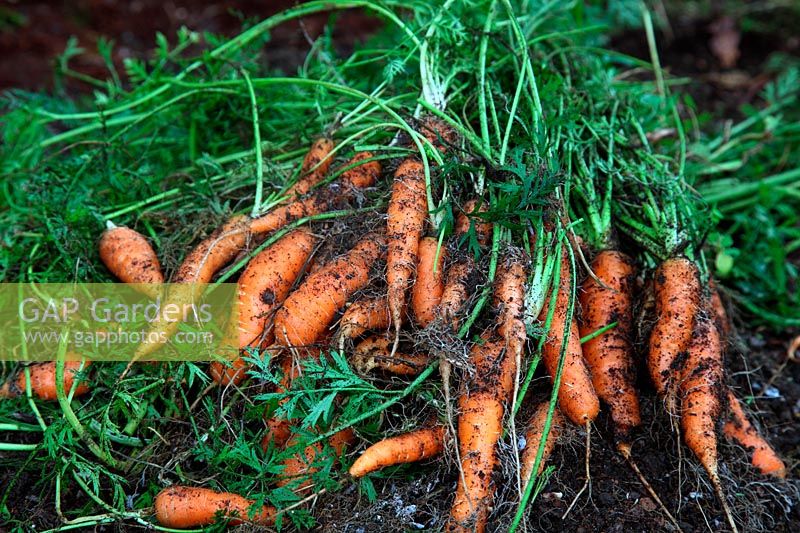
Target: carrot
483,230
360,176
129,256
533,438
401,449
677,292
376,352
576,395
308,311
186,507
509,294
362,316
455,293
315,165
739,429
438,132
610,355
278,427
263,286
300,467
406,212
701,389
718,308
429,285
43,381
481,407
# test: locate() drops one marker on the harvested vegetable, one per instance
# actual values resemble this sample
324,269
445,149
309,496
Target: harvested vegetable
429,285
409,447
186,507
375,352
43,381
533,439
129,256
739,429
315,166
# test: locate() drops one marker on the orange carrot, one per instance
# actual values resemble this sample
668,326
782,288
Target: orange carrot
128,255
376,352
263,286
701,389
43,381
438,132
576,395
718,308
533,438
610,355
455,293
481,407
362,316
483,230
298,468
360,176
407,212
308,311
186,507
315,166
509,295
427,290
677,291
401,449
739,429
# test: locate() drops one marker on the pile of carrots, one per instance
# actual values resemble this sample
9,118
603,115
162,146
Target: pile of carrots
294,308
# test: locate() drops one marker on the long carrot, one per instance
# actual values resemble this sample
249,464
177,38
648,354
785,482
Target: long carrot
43,381
315,165
198,268
362,175
739,429
610,355
576,395
308,311
186,507
701,389
128,255
533,438
677,293
409,447
375,352
262,288
509,294
406,216
481,407
429,285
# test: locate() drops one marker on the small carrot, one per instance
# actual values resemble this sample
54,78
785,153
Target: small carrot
677,293
739,429
576,395
401,449
376,352
362,175
406,216
429,285
309,310
129,256
438,132
533,438
701,389
610,355
186,507
300,467
481,407
362,316
43,381
483,230
262,288
315,165
455,292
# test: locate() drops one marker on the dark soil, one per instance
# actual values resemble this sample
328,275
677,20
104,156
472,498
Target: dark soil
32,33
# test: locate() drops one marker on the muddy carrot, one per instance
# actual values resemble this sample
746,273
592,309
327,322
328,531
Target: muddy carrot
401,449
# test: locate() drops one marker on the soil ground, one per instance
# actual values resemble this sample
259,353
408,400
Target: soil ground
32,33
